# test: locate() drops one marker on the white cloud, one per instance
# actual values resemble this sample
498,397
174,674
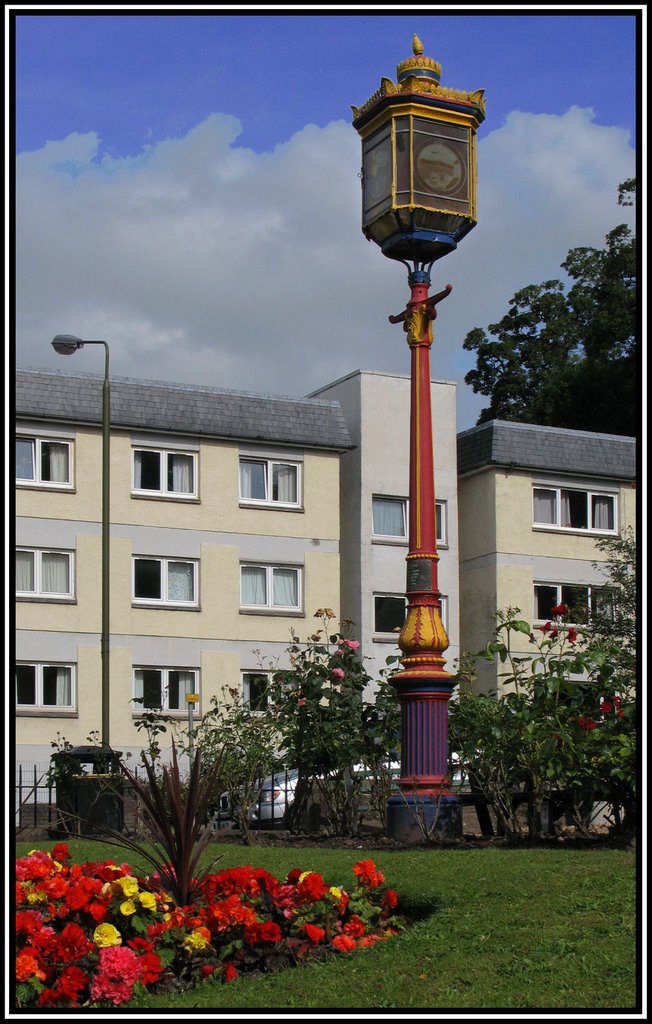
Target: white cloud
204,262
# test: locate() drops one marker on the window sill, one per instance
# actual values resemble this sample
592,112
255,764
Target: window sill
295,613
386,638
45,599
25,712
271,506
35,486
186,499
162,607
177,715
573,531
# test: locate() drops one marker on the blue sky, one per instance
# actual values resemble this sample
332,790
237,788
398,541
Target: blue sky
187,183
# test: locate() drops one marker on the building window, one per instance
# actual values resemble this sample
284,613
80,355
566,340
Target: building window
389,613
45,687
164,473
390,518
268,482
45,574
566,509
255,690
270,586
43,461
583,601
163,689
167,581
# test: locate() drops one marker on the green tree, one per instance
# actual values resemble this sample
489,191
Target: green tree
567,358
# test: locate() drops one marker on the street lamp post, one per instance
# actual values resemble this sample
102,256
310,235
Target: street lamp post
66,345
418,201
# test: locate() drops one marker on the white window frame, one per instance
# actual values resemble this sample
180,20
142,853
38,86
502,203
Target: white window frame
269,464
380,634
590,494
268,606
39,705
590,588
38,592
402,538
247,675
37,441
163,491
164,601
164,672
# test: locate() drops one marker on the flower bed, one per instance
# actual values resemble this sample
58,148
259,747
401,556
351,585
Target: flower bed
91,934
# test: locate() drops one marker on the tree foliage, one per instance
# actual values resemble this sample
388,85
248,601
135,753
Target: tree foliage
566,356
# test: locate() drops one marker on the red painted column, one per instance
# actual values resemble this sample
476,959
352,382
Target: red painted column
423,686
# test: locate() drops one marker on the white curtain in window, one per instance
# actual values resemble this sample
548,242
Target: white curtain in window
180,581
25,571
138,470
55,573
180,473
24,460
545,506
388,517
286,588
64,687
253,585
285,483
603,512
57,689
565,518
253,480
55,461
179,684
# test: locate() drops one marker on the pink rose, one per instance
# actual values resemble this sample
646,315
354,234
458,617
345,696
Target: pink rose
337,673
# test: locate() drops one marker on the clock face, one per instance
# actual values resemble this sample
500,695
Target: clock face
378,173
440,167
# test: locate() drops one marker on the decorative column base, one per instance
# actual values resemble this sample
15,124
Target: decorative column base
415,818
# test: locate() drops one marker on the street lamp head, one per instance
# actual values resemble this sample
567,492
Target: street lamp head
418,161
66,344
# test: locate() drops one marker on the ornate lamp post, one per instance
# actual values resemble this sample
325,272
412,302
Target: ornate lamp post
418,201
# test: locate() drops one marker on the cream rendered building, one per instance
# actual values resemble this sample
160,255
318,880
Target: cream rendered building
374,491
224,536
533,502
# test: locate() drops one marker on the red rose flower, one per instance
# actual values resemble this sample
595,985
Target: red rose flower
314,932
312,886
559,609
586,723
229,972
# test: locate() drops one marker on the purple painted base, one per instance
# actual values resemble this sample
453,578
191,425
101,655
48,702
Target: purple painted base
413,818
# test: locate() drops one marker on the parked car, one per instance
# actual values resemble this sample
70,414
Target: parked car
275,798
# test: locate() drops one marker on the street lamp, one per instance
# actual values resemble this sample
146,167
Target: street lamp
418,202
67,345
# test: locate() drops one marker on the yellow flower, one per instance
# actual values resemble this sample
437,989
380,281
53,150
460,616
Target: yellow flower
36,896
127,908
304,875
128,885
107,935
147,900
196,940
334,891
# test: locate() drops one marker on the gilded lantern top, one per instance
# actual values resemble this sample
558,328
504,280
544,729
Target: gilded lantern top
420,74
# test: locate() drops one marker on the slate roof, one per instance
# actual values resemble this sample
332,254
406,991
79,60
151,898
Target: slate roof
182,409
553,449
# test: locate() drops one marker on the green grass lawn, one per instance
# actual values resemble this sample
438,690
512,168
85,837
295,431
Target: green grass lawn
496,928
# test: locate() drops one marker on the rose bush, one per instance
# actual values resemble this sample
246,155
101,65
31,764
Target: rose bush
93,934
